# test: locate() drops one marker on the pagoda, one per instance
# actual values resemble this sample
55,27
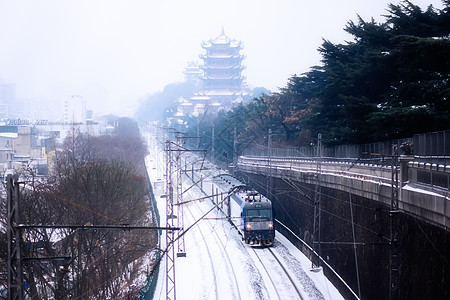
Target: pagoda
219,78
222,69
192,71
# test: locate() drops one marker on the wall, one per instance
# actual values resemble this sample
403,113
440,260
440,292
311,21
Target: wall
424,248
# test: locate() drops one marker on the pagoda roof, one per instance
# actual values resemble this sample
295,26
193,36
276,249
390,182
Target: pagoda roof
196,69
221,39
203,56
181,100
220,93
231,44
200,97
227,67
227,77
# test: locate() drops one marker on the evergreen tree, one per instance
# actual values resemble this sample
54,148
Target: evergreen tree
391,81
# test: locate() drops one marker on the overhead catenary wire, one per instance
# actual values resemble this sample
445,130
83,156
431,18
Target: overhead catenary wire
119,225
323,211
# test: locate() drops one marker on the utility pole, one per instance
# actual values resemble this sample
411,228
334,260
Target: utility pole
170,235
235,149
213,149
180,214
394,259
317,196
170,149
269,163
15,229
14,260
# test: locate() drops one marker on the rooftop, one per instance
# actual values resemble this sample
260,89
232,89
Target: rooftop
222,39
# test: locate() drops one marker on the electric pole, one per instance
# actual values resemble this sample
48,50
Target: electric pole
317,196
180,214
394,259
235,149
213,149
14,260
269,163
170,235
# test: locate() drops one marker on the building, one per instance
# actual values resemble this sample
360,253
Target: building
19,148
192,71
74,111
220,78
7,98
222,69
6,149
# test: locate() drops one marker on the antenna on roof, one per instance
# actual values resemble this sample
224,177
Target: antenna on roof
223,31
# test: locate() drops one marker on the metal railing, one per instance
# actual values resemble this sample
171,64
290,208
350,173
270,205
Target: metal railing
432,147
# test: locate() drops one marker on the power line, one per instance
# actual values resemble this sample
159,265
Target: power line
95,227
323,210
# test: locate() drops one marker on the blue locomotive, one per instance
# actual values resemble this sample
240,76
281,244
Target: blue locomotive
248,210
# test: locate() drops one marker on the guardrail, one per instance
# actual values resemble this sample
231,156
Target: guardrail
432,147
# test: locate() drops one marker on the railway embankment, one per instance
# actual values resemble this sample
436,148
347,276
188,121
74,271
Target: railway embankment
423,188
357,198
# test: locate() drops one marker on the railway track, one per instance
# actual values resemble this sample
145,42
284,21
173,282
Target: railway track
276,274
206,247
218,264
227,263
222,248
275,277
266,268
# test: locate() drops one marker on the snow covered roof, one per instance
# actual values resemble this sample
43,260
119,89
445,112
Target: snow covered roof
200,98
192,67
228,56
222,39
225,77
11,135
225,67
220,93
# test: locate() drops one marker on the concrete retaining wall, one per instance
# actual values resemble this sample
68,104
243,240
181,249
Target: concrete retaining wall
423,188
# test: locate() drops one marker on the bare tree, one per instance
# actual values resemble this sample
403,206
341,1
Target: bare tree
94,184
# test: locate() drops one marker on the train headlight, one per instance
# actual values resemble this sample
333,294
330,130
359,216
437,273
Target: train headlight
249,226
270,225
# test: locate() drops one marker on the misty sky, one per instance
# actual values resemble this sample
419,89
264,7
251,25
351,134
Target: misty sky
114,52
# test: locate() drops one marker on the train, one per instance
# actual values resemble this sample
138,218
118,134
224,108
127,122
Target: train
251,212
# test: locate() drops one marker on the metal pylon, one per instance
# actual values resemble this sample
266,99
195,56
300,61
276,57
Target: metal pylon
269,165
180,219
170,234
15,278
394,258
317,195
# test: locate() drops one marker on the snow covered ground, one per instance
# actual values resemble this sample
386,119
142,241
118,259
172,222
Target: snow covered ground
218,265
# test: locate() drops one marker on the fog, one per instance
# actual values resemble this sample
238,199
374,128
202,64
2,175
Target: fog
112,53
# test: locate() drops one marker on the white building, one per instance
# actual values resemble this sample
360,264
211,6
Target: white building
221,79
74,111
7,98
222,69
